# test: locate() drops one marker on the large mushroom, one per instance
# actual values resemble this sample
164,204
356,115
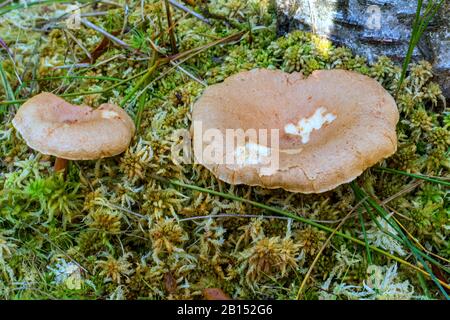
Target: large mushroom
55,127
331,126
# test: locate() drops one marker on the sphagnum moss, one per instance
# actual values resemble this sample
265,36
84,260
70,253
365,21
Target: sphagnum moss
121,225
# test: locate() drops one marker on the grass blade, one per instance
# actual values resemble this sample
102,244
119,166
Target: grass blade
415,251
297,218
26,4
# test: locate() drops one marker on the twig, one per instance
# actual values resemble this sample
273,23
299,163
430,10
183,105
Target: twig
156,49
190,75
117,56
78,42
94,14
192,12
407,189
125,20
113,206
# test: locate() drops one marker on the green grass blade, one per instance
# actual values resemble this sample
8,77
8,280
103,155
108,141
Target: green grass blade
362,195
141,105
76,77
417,176
420,23
6,86
416,252
294,217
411,45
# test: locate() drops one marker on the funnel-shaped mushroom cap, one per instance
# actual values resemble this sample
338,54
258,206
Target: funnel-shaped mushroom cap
53,126
331,127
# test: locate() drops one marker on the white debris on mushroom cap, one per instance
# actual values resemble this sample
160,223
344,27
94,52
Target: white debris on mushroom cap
332,126
55,127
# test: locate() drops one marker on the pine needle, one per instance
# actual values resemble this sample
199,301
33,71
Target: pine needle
297,218
417,176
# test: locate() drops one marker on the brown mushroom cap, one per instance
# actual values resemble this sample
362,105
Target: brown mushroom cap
354,126
53,126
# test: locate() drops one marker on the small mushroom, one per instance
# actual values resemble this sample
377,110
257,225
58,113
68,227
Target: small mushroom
55,127
331,126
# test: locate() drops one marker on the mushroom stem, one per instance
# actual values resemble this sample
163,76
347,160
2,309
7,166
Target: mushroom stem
61,164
